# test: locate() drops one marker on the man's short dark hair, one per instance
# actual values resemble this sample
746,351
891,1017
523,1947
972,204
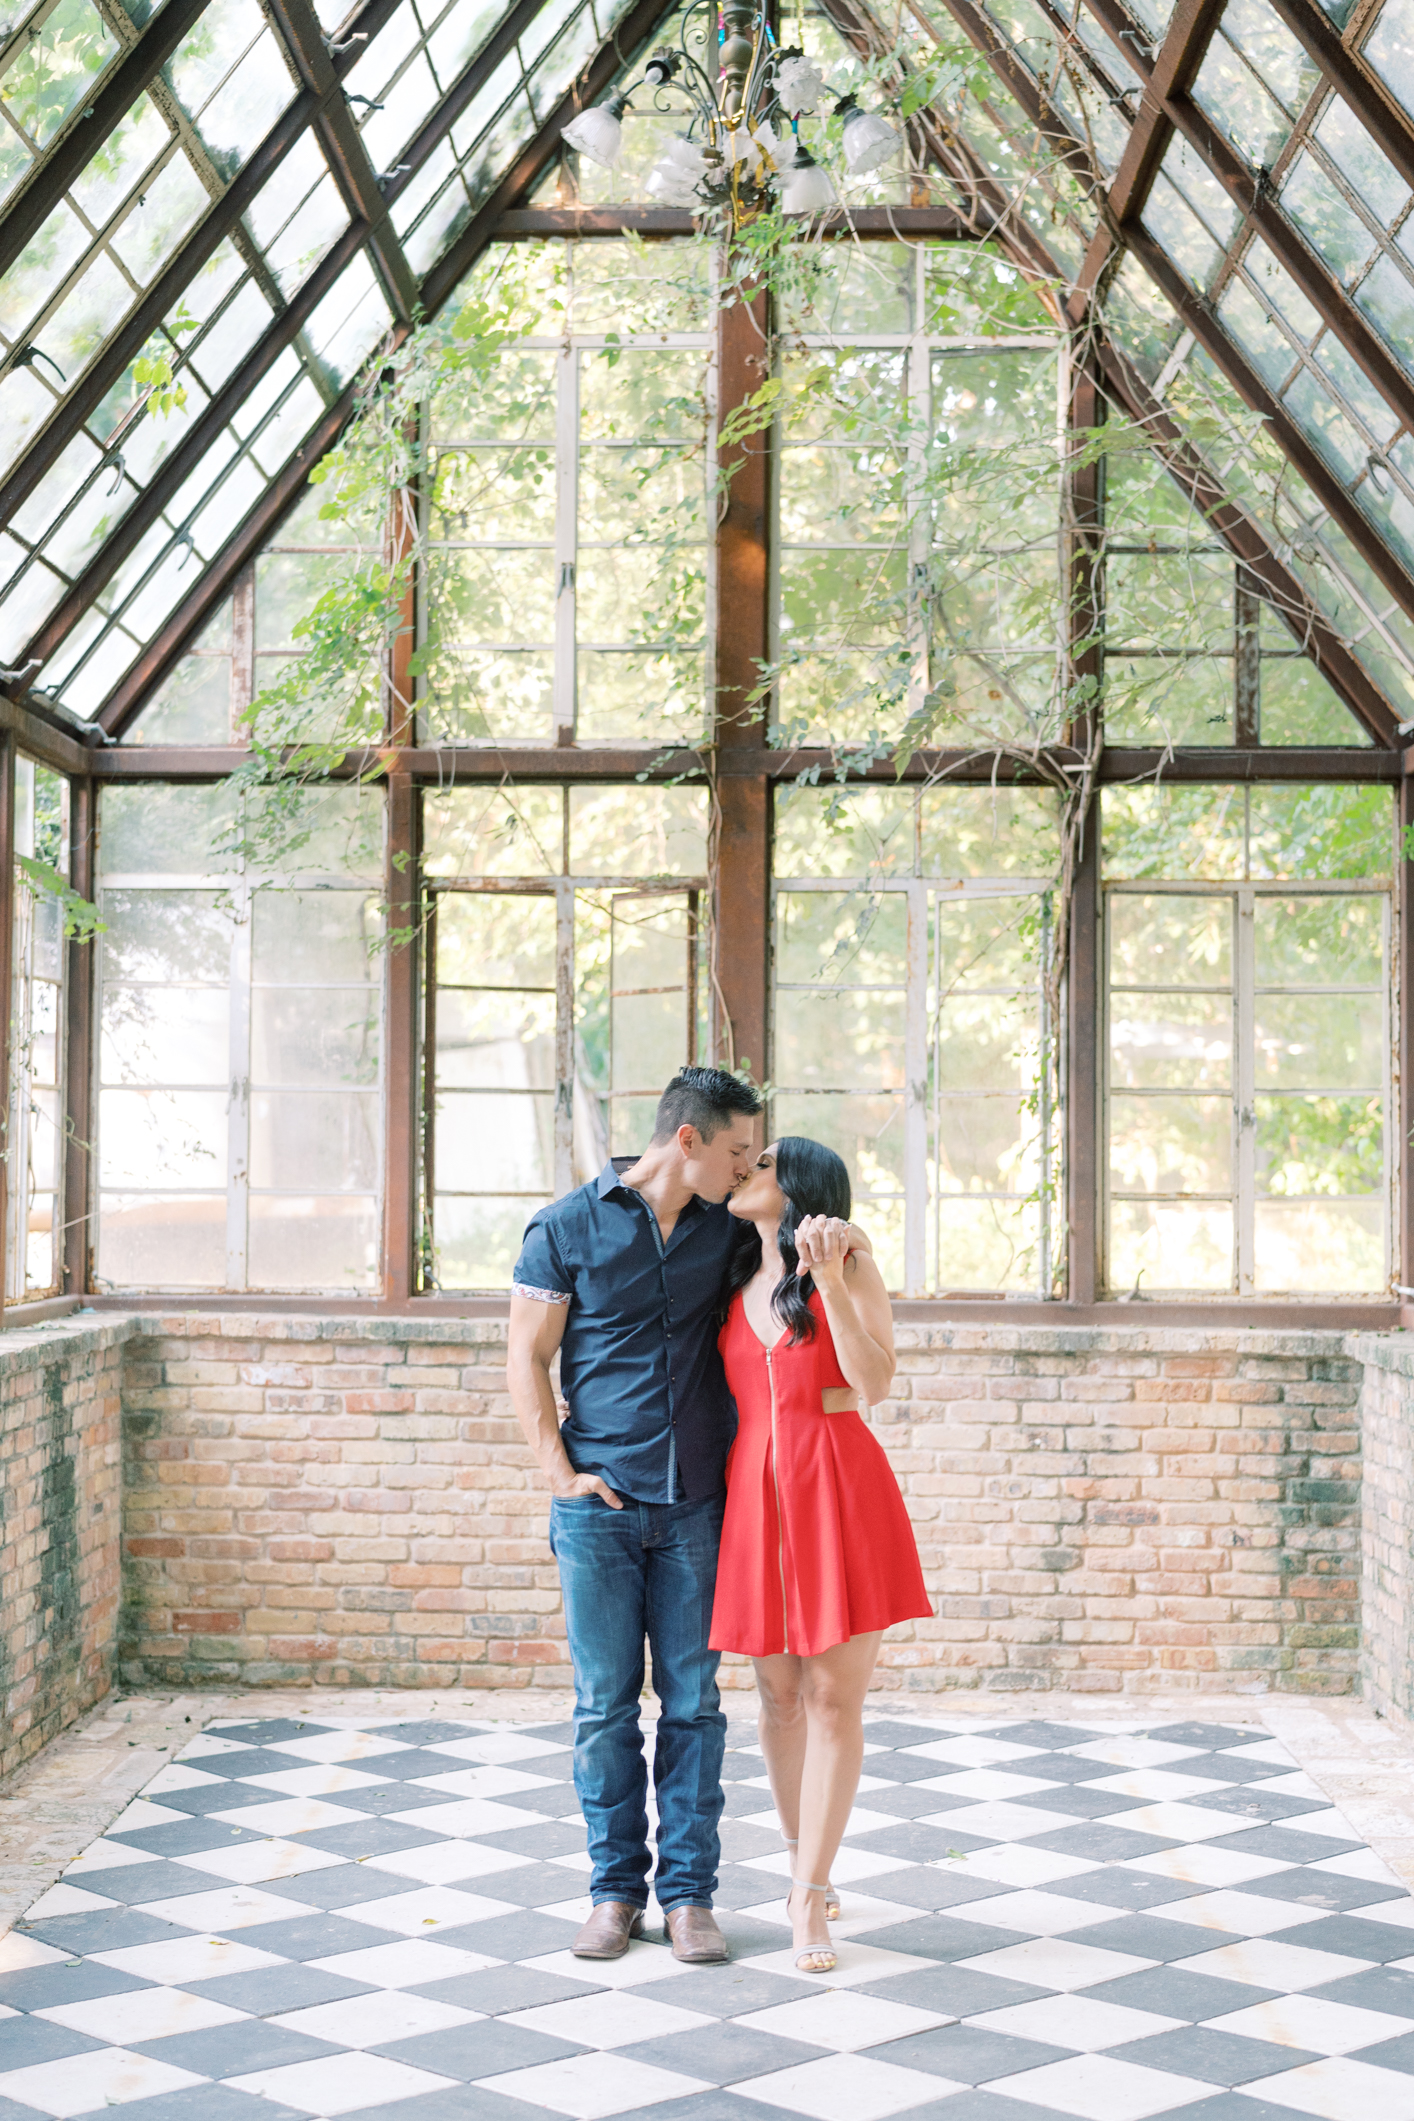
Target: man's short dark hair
704,1098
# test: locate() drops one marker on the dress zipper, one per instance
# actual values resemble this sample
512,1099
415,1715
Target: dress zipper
780,1518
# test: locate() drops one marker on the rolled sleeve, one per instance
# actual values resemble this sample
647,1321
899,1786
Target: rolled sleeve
540,1272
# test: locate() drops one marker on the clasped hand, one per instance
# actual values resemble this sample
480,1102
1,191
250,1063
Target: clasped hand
822,1242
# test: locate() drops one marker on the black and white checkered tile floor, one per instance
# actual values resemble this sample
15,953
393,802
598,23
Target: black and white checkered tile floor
372,1921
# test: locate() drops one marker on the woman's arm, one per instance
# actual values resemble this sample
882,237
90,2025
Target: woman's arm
857,1307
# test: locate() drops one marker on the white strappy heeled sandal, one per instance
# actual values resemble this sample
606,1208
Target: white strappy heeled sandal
823,1957
832,1898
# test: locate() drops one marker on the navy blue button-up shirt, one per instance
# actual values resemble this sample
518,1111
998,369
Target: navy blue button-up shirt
639,1365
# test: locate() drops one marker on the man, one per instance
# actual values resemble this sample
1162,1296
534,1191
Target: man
623,1278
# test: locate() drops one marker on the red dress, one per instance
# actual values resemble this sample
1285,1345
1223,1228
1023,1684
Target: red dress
816,1542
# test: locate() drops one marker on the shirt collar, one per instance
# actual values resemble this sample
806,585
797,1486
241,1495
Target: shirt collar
610,1180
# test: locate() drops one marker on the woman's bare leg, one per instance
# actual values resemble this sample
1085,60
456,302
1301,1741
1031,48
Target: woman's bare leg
781,1726
832,1687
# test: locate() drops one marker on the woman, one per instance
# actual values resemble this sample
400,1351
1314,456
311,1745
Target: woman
817,1554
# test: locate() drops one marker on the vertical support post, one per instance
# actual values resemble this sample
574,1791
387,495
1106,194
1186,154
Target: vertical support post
741,880
402,896
243,687
1247,659
7,943
1085,530
564,1037
1244,1091
1403,1246
915,1097
79,1009
566,541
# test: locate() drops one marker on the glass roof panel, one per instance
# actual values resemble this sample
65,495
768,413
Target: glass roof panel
114,173
1388,50
49,58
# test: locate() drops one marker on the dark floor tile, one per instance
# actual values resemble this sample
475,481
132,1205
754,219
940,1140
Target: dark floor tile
740,1842
415,1763
497,1989
556,1800
524,1884
133,1883
427,1730
1285,1844
462,2102
897,1730
270,1730
957,1991
10,2112
720,2105
480,2050
205,2102
739,1887
1357,1939
747,1935
906,1767
1250,1801
370,1837
1322,1889
40,1988
911,1841
559,1839
238,1766
24,2042
722,2054
312,1936
913,1886
740,1800
1152,1937
977,2105
210,1797
1213,2057
1379,1988
1233,2106
344,1885
103,1929
1390,2054
1064,1767
519,1936
270,1991
909,1800
1114,1886
1078,1800
1175,1992
1050,1736
968,2054
378,1799
232,2050
728,1991
1228,1767
189,1837
1210,1737
945,1937
1101,1844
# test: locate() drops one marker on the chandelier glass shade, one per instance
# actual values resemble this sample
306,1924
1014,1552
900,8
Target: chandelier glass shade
742,153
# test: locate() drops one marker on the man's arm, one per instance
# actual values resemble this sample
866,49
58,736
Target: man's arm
536,1331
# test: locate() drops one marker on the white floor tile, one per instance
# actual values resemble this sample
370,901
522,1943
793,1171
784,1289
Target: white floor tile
177,1775
446,1862
140,1815
17,1952
336,2084
1016,1864
82,2084
640,1964
849,1864
966,1751
857,1963
1332,1823
846,2088
66,1899
1264,1749
500,1748
1321,2027
1177,1822
103,1855
1361,1863
230,1907
1082,2022
1054,1962
1037,1914
985,1784
861,1821
1336,2089
337,1747
408,1963
1267,1965
481,1781
289,1815
1206,1866
591,2087
1099,2088
208,1742
427,1907
141,2014
1153,1785
374,2020
615,2020
184,1959
319,1779
468,1816
1293,1785
843,2021
999,1821
1129,1752
1244,1914
1398,1912
260,1862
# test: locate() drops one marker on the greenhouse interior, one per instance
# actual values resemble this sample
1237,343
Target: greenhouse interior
869,543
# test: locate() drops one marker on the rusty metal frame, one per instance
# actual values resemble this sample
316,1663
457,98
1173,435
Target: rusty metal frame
8,749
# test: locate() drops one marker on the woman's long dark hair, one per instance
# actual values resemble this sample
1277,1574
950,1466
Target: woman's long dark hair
815,1182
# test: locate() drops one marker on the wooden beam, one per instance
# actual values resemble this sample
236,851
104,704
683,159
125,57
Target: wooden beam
79,1011
871,223
8,1179
1382,117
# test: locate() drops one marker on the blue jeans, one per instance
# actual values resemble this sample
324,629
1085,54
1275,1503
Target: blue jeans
647,1569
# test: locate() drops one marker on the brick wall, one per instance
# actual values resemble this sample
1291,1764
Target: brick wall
349,1501
1387,1572
60,1526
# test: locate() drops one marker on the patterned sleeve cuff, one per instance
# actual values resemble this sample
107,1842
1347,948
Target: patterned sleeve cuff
540,1296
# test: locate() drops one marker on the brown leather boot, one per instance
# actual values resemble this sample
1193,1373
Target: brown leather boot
606,1934
695,1936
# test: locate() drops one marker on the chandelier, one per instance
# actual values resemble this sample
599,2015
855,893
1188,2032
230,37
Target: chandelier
742,151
